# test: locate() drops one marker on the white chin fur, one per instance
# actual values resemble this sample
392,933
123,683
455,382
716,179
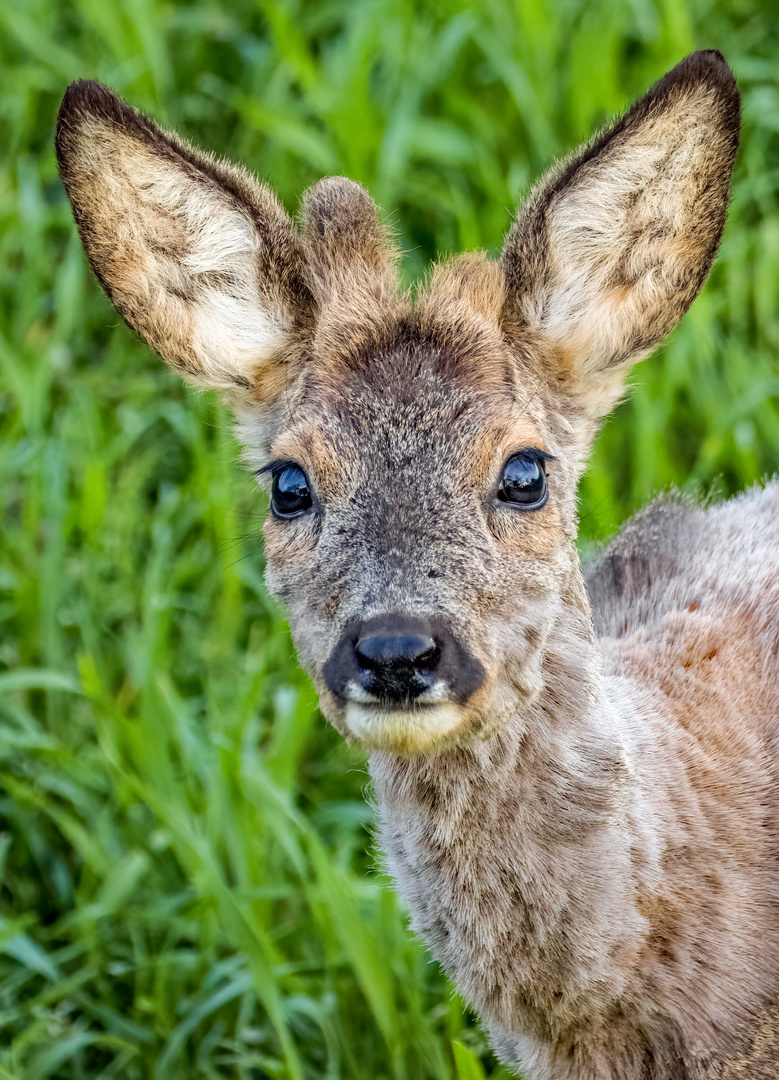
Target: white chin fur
403,732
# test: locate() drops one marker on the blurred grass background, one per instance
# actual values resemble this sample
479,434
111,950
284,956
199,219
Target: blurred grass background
187,882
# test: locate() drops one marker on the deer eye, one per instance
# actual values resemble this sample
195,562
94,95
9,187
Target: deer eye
523,481
291,492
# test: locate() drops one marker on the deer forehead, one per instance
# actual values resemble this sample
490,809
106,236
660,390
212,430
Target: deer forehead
403,422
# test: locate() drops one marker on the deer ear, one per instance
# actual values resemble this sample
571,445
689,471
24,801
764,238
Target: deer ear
199,257
614,244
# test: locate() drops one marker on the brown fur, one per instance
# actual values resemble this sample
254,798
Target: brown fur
588,839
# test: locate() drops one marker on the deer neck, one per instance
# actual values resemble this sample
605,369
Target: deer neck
513,855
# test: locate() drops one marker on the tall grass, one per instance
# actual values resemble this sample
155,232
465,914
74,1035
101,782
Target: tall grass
188,883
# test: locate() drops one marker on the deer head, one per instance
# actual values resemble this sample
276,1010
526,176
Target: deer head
422,456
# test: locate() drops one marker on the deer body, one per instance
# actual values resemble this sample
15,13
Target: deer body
577,783
600,880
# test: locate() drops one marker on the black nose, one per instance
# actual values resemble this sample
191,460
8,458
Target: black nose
417,652
396,658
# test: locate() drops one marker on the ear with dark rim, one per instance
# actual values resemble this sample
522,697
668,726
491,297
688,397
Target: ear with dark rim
198,256
614,244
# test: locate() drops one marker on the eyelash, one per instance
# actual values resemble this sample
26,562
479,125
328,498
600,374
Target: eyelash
542,455
273,468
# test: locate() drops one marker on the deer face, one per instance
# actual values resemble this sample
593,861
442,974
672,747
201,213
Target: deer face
422,458
421,536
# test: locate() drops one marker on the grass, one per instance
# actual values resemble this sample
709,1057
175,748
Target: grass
188,886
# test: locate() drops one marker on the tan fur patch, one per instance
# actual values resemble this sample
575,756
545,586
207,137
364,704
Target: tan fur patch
472,279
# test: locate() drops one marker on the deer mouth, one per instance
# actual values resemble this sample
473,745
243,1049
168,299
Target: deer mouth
415,728
402,682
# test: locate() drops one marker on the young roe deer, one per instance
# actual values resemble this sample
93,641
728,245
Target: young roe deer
577,782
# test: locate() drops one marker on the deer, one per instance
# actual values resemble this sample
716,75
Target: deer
575,770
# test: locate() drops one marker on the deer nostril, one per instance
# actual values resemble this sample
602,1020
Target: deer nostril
414,652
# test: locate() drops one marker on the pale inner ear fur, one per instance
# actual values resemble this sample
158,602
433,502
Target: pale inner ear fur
199,257
614,245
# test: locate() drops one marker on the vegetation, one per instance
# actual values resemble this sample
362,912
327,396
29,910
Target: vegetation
188,886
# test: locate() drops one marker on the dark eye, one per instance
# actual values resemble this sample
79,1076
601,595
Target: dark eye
523,481
291,493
